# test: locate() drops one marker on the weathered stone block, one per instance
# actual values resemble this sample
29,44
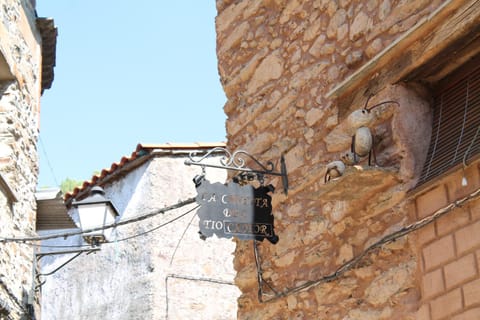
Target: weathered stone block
270,68
391,282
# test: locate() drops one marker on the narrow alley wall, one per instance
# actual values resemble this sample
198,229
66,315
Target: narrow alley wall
20,87
151,269
278,60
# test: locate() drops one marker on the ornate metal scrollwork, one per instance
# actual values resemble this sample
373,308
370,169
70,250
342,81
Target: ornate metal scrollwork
235,162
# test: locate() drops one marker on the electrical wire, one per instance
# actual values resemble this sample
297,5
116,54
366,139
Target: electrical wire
182,277
44,151
41,283
112,225
60,267
355,260
56,246
180,240
158,227
119,240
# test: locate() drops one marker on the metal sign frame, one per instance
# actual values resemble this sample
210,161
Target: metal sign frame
235,162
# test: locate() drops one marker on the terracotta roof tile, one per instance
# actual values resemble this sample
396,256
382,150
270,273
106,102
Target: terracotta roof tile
48,32
142,153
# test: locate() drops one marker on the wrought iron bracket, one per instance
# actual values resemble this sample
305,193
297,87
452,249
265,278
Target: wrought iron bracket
40,255
235,162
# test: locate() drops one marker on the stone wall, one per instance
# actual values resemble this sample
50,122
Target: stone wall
278,59
165,272
19,115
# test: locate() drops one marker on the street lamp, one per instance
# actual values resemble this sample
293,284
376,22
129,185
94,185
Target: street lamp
93,212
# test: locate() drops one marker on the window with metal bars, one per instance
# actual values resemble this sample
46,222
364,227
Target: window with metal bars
456,122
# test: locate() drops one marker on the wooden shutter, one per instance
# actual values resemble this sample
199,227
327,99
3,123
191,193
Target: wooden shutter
456,122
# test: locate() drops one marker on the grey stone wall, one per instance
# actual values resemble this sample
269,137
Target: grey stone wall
19,115
140,278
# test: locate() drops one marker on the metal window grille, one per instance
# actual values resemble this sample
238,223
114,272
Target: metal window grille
456,123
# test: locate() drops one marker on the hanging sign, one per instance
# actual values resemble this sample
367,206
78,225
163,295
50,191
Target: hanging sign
228,210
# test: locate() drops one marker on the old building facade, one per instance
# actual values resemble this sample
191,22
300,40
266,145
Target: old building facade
27,52
386,241
155,268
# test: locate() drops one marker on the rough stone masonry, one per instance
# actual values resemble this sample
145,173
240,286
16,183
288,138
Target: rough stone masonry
278,59
20,47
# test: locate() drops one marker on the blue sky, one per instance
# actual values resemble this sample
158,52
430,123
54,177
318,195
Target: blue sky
127,72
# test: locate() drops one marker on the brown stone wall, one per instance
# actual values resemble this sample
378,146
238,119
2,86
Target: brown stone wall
278,59
19,115
449,249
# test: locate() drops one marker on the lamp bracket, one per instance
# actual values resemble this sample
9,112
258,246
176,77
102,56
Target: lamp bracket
236,162
40,255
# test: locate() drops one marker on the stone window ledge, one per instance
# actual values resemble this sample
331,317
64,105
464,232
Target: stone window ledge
356,182
432,48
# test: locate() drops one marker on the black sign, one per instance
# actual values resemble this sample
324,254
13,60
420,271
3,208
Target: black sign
228,210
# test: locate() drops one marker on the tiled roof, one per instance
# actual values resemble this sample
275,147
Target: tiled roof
49,32
142,153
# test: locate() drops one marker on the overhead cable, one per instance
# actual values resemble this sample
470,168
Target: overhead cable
355,260
157,227
112,225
